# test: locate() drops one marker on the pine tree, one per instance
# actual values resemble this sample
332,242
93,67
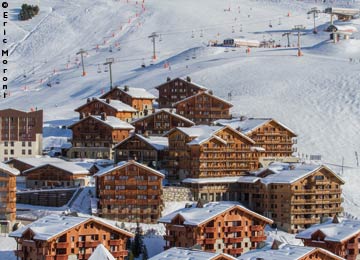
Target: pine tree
131,256
137,245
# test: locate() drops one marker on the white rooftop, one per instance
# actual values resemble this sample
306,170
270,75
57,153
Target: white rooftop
336,232
124,164
164,110
240,179
52,225
36,161
285,252
176,253
203,93
118,105
8,169
138,93
70,167
157,142
101,253
184,80
114,122
195,216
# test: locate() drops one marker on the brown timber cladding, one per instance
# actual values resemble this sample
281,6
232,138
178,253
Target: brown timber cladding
7,196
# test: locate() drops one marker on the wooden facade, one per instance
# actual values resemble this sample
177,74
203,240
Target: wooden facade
116,108
203,108
94,136
130,192
20,133
78,241
7,193
175,90
232,230
160,122
148,150
54,175
221,152
137,98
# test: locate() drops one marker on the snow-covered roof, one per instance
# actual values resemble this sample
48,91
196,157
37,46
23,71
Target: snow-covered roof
137,93
285,252
290,173
115,104
335,232
125,164
183,80
70,167
53,225
203,133
239,179
7,169
200,94
248,125
176,253
101,253
111,121
164,110
36,161
157,142
196,216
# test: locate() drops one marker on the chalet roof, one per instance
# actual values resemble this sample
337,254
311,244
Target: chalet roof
115,104
70,167
237,179
285,252
101,253
164,110
35,161
51,226
133,92
7,169
16,111
200,94
183,80
111,121
290,173
203,133
157,142
248,125
335,232
196,216
177,253
123,164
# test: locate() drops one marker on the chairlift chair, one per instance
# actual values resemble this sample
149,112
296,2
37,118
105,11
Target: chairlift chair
160,38
241,29
192,34
106,69
57,81
98,69
270,25
201,33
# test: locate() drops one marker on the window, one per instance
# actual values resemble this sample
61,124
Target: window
23,151
23,144
6,144
12,151
12,143
29,152
5,151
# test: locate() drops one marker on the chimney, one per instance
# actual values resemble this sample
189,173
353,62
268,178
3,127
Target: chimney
82,115
126,88
168,79
153,110
88,100
103,116
171,110
243,118
108,100
292,167
210,92
188,79
146,134
93,98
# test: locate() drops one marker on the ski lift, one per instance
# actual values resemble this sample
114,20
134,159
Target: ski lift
308,16
110,48
201,33
187,58
143,64
194,55
226,50
98,69
270,25
160,38
48,84
77,59
232,29
279,21
241,29
106,69
57,81
192,34
68,59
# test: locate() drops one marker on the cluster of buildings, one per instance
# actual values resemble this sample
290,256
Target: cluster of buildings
241,171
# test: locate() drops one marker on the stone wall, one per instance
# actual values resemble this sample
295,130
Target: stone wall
177,194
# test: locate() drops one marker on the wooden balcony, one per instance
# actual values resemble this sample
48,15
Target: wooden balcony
235,251
209,229
234,229
121,253
256,228
82,256
210,241
117,242
19,253
28,243
231,240
258,238
62,245
92,243
301,221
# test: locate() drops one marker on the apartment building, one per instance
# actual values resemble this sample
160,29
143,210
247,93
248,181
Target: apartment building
130,192
160,122
339,236
203,108
221,227
95,136
138,98
57,237
175,90
20,133
116,108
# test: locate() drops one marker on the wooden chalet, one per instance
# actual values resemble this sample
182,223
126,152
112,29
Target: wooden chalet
339,236
149,150
222,227
209,151
95,136
290,252
275,138
203,108
138,98
57,237
59,174
7,195
116,108
130,192
175,90
160,122
178,253
23,164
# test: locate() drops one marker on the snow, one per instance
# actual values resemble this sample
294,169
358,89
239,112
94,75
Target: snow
116,104
176,253
101,253
203,94
157,142
69,167
164,110
240,179
111,121
6,168
135,92
7,247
